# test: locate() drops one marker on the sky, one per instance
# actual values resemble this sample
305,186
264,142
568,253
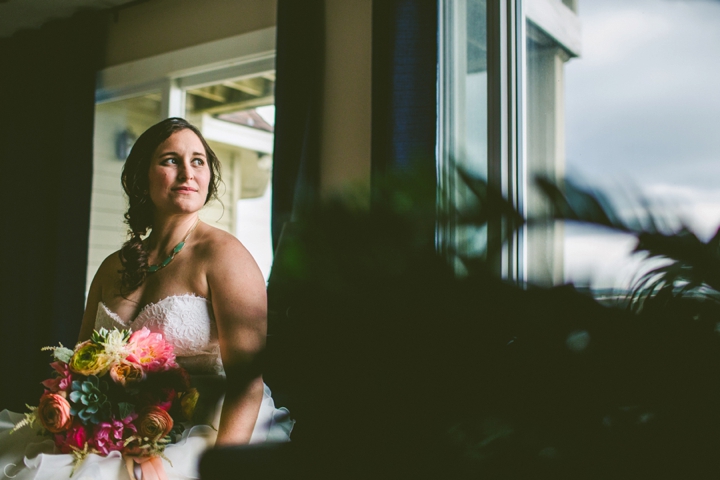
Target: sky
643,120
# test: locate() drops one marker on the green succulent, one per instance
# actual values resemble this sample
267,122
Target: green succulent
88,400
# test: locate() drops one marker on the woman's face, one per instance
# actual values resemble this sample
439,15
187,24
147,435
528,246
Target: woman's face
179,174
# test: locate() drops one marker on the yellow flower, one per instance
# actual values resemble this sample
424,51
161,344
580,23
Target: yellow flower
188,402
90,359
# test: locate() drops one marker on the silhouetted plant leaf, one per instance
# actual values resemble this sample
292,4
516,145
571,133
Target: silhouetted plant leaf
574,203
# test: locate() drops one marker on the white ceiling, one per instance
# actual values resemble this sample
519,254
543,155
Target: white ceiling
22,14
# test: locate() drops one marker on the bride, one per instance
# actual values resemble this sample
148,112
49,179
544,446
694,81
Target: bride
195,284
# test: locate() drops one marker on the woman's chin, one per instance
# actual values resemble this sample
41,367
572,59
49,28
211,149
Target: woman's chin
180,208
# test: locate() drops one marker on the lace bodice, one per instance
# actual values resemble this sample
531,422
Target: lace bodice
186,321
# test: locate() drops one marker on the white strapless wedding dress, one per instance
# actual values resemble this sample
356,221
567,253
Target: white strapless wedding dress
187,322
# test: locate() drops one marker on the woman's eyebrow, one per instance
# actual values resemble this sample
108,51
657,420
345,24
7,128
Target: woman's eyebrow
195,154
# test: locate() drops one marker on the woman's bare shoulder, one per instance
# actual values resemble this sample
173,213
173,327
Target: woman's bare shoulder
236,284
221,246
109,270
227,259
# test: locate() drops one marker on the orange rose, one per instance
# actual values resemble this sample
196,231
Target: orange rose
124,373
54,413
154,423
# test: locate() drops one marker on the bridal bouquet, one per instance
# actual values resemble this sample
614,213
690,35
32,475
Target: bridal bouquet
118,391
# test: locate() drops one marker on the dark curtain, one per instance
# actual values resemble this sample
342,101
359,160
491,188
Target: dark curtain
296,169
404,79
298,103
47,97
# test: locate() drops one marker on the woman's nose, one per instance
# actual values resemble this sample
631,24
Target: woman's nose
185,172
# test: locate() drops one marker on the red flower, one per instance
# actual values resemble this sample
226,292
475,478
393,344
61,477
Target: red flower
76,437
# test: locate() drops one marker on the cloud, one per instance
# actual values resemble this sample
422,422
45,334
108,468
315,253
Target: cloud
614,35
650,112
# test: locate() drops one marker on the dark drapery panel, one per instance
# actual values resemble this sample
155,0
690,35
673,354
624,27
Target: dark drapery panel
404,79
47,97
298,94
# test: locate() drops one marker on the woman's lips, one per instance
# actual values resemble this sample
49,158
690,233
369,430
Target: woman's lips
184,190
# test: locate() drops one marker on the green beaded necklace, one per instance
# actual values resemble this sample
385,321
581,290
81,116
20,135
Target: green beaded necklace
175,251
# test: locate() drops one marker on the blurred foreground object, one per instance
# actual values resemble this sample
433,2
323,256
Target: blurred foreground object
396,368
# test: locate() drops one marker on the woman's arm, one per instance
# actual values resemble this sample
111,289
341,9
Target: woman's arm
238,296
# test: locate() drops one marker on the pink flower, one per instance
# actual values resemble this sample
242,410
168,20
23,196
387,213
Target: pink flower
110,436
62,381
150,351
76,437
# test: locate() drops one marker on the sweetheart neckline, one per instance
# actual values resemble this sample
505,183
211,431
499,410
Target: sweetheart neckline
145,308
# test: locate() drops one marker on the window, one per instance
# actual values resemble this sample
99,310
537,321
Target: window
225,88
615,94
642,122
237,117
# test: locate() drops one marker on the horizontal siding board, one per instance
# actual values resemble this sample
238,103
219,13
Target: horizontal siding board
105,219
105,237
108,202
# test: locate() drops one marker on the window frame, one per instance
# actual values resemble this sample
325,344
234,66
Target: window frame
505,125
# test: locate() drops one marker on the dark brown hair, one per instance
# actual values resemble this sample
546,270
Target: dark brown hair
141,211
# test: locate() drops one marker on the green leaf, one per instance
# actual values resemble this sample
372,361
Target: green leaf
125,409
62,354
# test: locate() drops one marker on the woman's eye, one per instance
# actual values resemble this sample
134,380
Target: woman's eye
199,161
170,161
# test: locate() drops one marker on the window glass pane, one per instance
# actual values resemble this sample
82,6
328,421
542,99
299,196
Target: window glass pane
237,118
464,114
642,120
117,125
